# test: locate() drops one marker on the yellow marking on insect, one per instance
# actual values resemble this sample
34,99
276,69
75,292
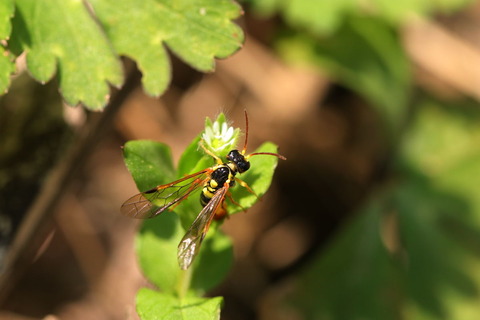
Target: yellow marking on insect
232,167
213,184
208,193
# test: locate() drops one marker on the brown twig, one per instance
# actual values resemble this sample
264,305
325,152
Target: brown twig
35,225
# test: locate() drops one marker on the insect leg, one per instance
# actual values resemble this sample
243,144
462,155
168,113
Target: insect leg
246,186
217,159
229,195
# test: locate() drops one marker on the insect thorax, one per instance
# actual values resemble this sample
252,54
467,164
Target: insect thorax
238,160
221,174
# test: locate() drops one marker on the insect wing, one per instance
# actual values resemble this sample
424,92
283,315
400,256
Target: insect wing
151,203
190,244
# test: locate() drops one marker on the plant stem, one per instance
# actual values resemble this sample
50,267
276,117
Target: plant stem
184,282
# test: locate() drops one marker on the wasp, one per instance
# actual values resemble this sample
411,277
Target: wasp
214,182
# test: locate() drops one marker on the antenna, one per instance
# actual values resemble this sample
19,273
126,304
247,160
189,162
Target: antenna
279,156
246,133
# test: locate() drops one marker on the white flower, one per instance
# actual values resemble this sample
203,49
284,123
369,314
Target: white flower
219,137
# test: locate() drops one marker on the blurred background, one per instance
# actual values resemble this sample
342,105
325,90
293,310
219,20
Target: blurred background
375,215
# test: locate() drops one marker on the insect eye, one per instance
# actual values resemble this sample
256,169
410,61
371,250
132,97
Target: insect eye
231,155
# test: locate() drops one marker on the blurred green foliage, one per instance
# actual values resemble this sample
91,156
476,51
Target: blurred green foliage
364,54
412,252
324,17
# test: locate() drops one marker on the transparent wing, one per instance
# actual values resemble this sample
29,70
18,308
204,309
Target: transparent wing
190,244
151,203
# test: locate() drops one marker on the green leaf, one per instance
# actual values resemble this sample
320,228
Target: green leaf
197,31
443,144
355,269
459,180
364,54
6,13
463,225
153,305
193,159
324,17
65,38
442,136
436,260
149,162
258,177
400,11
61,34
423,266
317,16
441,215
7,67
213,262
157,251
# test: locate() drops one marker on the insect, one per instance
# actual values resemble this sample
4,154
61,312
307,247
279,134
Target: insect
214,182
